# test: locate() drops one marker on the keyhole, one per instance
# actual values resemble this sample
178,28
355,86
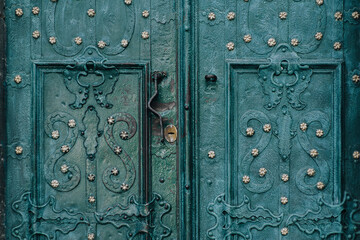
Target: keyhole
170,133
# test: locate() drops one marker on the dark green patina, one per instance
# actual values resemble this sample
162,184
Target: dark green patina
264,96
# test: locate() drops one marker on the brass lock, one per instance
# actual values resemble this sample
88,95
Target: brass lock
171,133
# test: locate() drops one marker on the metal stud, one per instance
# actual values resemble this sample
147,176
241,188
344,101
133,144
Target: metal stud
19,12
78,40
356,154
17,79
318,36
247,38
284,200
320,2
18,150
355,15
101,44
314,153
211,16
36,34
211,154
125,187
262,172
311,172
356,78
246,179
55,134
124,43
271,42
114,171
337,45
111,120
127,2
91,177
294,42
91,13
91,199
320,185
285,177
65,148
55,183
338,16
255,152
250,132
72,123
267,128
231,16
64,168
91,236
145,13
303,127
230,46
52,40
145,35
283,15
124,135
35,10
284,231
319,133
117,150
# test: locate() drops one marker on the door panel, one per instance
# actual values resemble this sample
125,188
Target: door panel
85,156
270,123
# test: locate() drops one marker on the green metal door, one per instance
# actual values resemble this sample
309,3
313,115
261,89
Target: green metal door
86,158
277,138
137,119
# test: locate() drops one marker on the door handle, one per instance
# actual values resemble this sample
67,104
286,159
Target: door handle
211,78
157,77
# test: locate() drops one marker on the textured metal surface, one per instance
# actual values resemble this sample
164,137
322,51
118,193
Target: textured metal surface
2,119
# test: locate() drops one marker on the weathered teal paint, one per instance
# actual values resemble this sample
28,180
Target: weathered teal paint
268,86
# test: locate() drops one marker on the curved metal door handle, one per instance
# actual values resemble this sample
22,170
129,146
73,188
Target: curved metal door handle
157,77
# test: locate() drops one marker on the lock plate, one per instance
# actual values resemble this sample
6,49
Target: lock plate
170,133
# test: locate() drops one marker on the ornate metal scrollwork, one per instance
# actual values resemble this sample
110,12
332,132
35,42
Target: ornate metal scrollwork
129,167
63,145
44,219
138,218
239,220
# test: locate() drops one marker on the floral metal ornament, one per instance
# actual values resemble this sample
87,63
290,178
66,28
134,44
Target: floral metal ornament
320,185
55,134
211,16
283,15
337,45
91,13
255,152
356,155
91,177
124,43
285,177
101,44
246,179
145,13
320,2
294,42
355,15
303,127
35,10
91,236
127,2
115,171
19,12
247,38
72,123
355,78
314,153
267,128
230,46
338,16
18,150
311,172
284,231
55,183
250,132
65,149
231,16
284,200
64,168
271,42
124,135
17,79
91,199
125,187
117,150
78,40
211,154
145,35
52,40
319,133
318,36
262,172
36,34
